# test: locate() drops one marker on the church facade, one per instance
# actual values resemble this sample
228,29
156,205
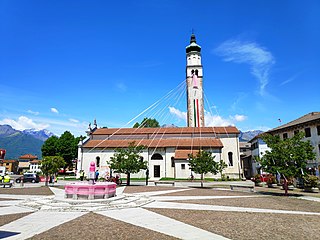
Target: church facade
167,149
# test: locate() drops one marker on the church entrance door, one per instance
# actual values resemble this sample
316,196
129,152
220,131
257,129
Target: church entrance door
156,170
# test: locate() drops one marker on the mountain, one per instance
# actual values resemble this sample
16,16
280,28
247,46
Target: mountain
246,136
18,143
41,135
168,126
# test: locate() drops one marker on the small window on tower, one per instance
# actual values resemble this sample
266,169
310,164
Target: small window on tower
197,72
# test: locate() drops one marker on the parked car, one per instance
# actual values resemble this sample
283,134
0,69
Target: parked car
29,177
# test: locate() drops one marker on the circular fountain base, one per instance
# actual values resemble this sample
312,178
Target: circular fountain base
99,190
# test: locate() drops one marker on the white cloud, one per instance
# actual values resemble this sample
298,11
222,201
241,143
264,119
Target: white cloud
259,59
239,118
54,110
179,114
209,119
32,112
73,120
24,123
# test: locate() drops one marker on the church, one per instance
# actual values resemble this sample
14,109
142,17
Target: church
167,149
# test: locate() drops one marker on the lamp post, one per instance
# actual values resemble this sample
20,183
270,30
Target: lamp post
147,176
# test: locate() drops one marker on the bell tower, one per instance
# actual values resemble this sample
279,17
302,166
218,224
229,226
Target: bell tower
194,73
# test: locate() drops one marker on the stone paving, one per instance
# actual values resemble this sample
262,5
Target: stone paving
135,208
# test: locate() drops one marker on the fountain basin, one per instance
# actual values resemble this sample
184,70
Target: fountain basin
88,191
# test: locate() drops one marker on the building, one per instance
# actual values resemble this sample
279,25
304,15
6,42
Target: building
246,159
309,124
35,166
10,164
258,148
167,149
24,162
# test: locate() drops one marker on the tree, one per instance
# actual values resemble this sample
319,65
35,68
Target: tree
49,147
68,147
65,146
221,165
128,160
147,123
203,163
287,157
50,165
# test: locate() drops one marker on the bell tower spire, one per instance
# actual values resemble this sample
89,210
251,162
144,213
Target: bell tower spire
194,74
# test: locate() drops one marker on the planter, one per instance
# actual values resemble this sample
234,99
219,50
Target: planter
312,189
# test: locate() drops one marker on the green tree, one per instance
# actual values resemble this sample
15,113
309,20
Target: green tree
221,165
128,160
287,157
147,123
67,148
203,163
49,147
50,165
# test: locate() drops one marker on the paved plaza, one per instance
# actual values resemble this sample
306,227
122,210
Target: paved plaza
158,212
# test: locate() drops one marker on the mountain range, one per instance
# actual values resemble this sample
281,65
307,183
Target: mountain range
18,143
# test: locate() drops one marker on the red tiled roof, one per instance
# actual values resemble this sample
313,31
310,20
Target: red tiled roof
8,160
176,130
182,142
28,156
35,161
184,154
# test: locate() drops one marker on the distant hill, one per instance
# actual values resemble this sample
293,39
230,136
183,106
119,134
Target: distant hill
246,136
18,143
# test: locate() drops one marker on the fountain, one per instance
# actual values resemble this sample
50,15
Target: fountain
91,190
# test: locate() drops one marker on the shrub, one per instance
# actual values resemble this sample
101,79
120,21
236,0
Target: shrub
271,179
256,178
310,181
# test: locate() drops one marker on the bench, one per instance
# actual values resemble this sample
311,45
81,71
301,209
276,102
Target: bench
163,182
250,187
6,184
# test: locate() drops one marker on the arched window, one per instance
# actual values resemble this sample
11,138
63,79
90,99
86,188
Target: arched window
98,161
230,157
196,72
172,162
157,156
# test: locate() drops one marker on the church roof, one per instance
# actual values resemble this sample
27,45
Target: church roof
158,131
176,142
184,154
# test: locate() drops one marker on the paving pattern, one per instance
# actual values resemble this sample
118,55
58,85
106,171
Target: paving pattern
138,209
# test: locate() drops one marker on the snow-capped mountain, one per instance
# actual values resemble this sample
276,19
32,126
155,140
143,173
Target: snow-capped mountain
246,136
39,134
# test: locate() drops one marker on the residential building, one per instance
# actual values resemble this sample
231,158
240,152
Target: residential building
309,124
246,159
35,166
24,162
10,164
258,148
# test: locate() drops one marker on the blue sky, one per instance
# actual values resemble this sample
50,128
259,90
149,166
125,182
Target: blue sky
65,63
